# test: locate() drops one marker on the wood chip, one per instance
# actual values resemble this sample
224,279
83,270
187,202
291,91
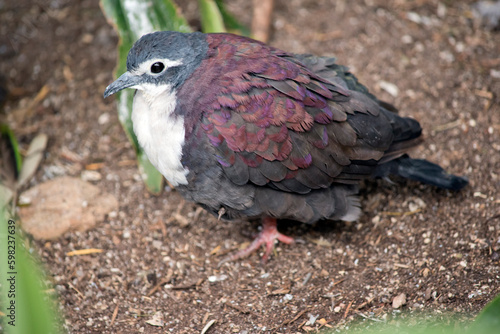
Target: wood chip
301,313
328,36
405,213
186,286
127,163
365,303
324,322
447,126
215,250
480,195
69,155
84,251
484,93
25,113
157,286
183,221
321,242
94,166
76,290
347,309
240,309
205,317
338,282
280,291
115,313
494,62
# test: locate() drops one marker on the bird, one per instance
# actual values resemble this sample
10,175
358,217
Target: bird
248,131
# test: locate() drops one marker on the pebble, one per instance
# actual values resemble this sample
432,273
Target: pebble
91,175
217,278
399,301
103,119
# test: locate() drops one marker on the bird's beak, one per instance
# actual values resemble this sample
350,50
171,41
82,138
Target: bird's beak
126,80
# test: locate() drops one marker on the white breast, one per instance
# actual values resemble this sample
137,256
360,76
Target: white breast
160,132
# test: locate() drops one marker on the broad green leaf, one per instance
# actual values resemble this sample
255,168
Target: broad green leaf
211,17
231,23
132,19
6,195
27,308
488,320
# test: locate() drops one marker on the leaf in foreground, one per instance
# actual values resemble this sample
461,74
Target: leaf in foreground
31,309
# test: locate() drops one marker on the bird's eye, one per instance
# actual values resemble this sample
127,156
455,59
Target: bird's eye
157,67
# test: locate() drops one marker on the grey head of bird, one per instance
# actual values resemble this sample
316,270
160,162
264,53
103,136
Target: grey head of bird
160,61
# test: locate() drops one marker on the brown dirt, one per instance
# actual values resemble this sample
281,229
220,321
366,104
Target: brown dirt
443,257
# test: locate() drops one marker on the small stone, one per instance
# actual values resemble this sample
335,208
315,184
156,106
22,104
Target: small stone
91,175
495,73
428,294
407,39
399,301
217,278
56,207
103,119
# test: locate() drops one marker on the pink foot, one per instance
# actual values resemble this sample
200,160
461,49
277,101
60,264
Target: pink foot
266,237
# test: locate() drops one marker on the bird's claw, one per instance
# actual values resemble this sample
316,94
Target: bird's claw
266,237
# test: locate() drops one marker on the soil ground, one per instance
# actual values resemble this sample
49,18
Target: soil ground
438,248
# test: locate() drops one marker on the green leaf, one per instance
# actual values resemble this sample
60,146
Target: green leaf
488,321
6,195
132,19
231,23
31,309
151,177
9,154
10,166
211,17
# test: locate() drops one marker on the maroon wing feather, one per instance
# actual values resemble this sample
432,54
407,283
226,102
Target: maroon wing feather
276,123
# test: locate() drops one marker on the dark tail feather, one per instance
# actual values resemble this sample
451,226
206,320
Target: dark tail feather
422,171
